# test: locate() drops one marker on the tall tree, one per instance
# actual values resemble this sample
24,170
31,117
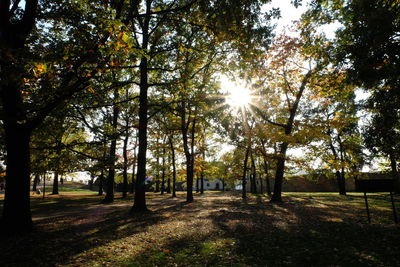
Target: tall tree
30,91
368,48
290,71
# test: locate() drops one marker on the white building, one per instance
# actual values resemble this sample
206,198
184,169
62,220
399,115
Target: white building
215,184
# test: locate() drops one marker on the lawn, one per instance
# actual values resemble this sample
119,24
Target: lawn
218,229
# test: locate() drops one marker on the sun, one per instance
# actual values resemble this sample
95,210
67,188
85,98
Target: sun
239,97
237,94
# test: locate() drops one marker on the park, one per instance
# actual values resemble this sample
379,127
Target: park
199,132
218,229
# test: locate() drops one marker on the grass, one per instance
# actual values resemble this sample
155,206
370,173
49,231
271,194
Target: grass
308,229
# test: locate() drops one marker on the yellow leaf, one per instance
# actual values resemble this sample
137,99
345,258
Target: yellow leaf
91,90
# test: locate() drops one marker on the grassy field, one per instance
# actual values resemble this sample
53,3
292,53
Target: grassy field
218,229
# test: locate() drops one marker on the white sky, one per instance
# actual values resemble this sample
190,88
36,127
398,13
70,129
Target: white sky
288,13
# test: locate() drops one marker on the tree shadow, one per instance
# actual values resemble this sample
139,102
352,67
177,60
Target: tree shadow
64,232
290,234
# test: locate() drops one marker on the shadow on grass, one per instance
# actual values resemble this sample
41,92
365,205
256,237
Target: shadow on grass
63,232
215,230
265,236
257,233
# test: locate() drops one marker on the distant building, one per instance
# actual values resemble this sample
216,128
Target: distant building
215,184
209,185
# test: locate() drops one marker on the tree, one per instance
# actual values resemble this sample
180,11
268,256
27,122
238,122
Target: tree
35,79
382,133
290,77
368,49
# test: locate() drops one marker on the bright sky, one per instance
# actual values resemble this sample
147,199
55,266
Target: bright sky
288,13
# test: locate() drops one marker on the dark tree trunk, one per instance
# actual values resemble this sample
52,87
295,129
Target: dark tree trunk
16,209
61,180
202,172
339,182
186,119
173,167
125,164
110,183
189,181
101,180
113,147
168,189
55,183
44,186
253,175
339,178
288,128
246,158
139,204
268,185
280,169
134,166
342,185
133,175
202,182
197,185
91,181
266,170
163,170
35,182
395,173
157,166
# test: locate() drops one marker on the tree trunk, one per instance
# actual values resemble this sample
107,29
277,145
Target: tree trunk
253,175
189,181
139,204
55,184
163,170
113,147
44,186
339,179
202,182
280,169
197,184
134,166
16,209
173,167
91,181
342,174
189,151
246,158
101,180
125,164
266,170
288,127
35,182
157,167
168,190
339,176
395,173
133,178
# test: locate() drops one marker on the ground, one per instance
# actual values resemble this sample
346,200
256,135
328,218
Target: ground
218,229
